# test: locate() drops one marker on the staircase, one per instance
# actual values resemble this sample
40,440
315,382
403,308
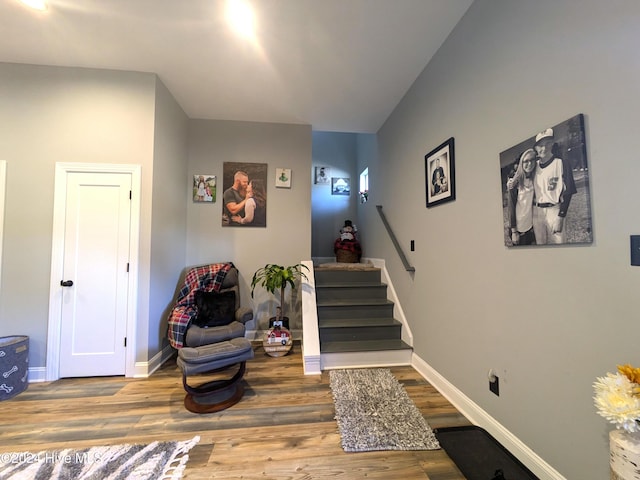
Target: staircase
356,321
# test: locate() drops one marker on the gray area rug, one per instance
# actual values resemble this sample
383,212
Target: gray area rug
374,412
157,460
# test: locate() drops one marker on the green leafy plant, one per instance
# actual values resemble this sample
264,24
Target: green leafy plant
274,277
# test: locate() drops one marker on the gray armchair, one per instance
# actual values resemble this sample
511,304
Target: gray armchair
197,336
207,326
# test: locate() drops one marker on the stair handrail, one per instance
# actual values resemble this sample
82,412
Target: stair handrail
405,262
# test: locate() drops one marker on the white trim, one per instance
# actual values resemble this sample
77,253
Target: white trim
57,253
479,417
3,188
310,333
37,374
146,369
398,313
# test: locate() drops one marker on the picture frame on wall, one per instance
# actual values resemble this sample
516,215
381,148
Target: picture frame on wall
204,188
283,178
440,178
545,187
322,175
340,186
244,182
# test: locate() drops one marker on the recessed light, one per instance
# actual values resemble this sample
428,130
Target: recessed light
241,17
36,4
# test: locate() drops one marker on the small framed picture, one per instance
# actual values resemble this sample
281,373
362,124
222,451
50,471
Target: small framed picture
340,186
283,178
323,175
439,165
204,188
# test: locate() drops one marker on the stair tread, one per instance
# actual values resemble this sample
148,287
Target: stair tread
354,302
363,346
346,267
351,285
358,322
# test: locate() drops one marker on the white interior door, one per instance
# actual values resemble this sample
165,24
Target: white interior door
96,248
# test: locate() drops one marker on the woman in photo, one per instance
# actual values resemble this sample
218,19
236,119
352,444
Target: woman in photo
255,211
521,198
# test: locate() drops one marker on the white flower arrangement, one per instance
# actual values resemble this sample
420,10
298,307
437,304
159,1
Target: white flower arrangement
617,398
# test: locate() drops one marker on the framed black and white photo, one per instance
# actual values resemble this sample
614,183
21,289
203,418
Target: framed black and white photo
322,175
340,186
544,181
440,179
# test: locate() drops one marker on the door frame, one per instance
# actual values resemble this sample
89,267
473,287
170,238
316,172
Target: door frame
3,187
62,169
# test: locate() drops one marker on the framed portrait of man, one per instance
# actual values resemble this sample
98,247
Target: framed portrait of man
322,175
440,174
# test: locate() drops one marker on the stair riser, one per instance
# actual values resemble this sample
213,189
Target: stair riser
360,334
355,311
324,294
324,277
369,359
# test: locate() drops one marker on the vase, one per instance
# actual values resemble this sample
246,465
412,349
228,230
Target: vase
624,452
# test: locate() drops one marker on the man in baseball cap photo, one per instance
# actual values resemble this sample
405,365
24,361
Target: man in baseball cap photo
553,186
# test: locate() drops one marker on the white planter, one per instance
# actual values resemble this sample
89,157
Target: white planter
624,450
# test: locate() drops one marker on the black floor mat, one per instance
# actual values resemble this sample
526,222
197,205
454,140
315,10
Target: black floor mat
479,456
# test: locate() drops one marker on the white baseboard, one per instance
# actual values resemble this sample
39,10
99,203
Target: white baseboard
312,364
145,369
482,419
37,375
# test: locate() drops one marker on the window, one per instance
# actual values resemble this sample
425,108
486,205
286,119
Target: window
364,185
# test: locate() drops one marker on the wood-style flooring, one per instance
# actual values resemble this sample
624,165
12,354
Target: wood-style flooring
282,429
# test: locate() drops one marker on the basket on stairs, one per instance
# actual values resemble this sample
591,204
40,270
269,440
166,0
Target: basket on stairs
346,256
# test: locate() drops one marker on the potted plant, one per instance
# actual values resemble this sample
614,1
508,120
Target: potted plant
274,277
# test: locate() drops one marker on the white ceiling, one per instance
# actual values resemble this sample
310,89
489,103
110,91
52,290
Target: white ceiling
338,65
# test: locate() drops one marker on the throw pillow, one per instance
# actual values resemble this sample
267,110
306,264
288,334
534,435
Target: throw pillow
214,308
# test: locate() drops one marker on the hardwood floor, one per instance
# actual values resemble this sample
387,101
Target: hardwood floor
283,428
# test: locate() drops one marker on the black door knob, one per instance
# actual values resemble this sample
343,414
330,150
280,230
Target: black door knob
67,283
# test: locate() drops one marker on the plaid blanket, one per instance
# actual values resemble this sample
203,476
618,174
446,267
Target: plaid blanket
207,278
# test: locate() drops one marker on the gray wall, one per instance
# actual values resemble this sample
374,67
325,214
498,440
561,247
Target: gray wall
549,320
49,115
367,154
287,238
339,152
169,217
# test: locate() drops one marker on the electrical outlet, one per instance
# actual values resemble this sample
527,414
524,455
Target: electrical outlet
494,385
